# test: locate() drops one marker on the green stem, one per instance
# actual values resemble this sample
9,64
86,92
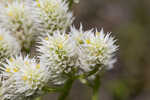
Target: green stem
70,3
95,94
67,88
39,98
95,88
52,90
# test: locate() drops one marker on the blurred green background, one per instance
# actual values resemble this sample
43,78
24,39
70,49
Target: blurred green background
129,20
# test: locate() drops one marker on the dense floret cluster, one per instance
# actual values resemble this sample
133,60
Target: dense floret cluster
62,52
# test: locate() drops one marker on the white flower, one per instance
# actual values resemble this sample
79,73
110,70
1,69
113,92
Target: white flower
52,15
59,54
23,78
16,18
95,49
8,45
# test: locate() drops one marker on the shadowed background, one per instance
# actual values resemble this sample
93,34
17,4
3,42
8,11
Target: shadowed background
129,20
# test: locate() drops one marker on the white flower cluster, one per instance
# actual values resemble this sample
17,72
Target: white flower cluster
95,49
21,21
58,53
22,78
63,55
52,15
79,51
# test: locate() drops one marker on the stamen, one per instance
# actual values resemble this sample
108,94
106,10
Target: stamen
16,69
46,38
11,60
24,78
1,37
7,69
38,66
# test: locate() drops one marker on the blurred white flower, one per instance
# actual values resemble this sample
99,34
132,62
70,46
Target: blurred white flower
59,54
8,45
76,1
16,18
52,15
9,1
5,1
95,49
23,78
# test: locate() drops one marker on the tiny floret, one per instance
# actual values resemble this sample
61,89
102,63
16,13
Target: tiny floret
8,45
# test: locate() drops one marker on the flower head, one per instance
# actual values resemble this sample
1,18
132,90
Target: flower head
52,15
16,18
8,45
23,78
95,48
59,54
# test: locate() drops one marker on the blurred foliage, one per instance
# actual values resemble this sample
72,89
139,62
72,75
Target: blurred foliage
120,90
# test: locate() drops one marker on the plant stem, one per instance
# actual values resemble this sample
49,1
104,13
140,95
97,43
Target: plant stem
96,87
95,94
39,98
70,3
67,88
52,90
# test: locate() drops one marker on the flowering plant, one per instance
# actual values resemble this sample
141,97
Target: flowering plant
61,56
